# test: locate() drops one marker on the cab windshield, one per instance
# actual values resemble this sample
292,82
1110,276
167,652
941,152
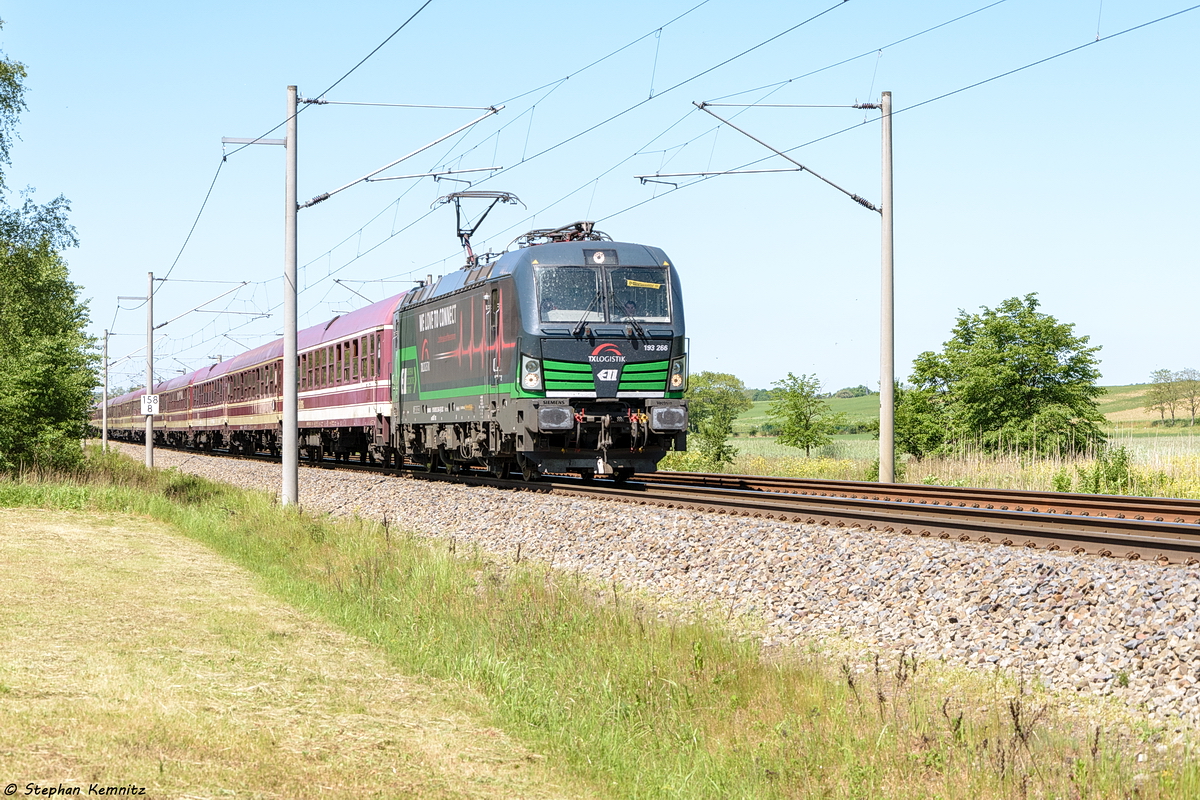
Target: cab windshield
640,293
569,294
616,294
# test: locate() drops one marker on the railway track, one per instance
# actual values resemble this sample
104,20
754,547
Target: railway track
1165,531
1153,529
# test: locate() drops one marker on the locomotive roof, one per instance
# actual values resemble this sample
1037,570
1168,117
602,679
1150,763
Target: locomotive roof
576,254
554,254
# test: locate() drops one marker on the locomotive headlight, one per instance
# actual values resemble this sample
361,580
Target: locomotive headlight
531,374
678,379
668,418
556,418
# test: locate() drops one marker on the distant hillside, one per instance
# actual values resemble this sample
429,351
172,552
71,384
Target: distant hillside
1120,404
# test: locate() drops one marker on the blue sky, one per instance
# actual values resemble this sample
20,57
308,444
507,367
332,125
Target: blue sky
1074,178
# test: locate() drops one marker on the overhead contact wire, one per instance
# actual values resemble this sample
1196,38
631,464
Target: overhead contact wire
339,80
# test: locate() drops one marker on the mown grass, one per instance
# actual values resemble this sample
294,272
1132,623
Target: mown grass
132,655
638,703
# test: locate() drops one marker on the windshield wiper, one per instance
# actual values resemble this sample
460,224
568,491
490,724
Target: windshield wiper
578,329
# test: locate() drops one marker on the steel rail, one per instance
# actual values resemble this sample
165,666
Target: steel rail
1133,539
1119,506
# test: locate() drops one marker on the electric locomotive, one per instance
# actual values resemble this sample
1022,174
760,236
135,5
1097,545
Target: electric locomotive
566,354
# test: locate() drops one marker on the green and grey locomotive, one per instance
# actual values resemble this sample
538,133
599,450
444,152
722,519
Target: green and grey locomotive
565,355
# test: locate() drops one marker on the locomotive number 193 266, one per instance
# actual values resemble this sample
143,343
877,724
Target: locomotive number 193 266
651,348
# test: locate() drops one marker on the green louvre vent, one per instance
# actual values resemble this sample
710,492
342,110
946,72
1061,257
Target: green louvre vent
567,376
649,376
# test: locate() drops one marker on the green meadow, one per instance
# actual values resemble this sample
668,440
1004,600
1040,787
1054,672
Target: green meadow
1162,459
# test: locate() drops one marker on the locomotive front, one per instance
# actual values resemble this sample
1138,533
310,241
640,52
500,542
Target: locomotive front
602,360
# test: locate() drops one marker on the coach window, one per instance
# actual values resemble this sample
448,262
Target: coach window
371,357
347,359
355,366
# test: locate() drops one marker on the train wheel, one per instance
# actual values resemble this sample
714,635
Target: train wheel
529,470
622,474
498,468
587,475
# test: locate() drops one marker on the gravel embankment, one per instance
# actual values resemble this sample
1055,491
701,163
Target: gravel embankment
1092,625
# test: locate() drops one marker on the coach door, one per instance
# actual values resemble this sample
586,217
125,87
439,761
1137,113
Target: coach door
491,303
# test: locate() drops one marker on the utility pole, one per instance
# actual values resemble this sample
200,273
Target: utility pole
290,493
150,368
104,402
887,369
887,328
291,387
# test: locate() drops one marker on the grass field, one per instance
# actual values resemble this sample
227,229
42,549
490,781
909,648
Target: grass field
132,655
192,685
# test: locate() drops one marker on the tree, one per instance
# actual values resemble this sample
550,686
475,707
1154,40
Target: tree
714,401
804,418
1009,377
47,362
918,424
1164,394
1188,383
